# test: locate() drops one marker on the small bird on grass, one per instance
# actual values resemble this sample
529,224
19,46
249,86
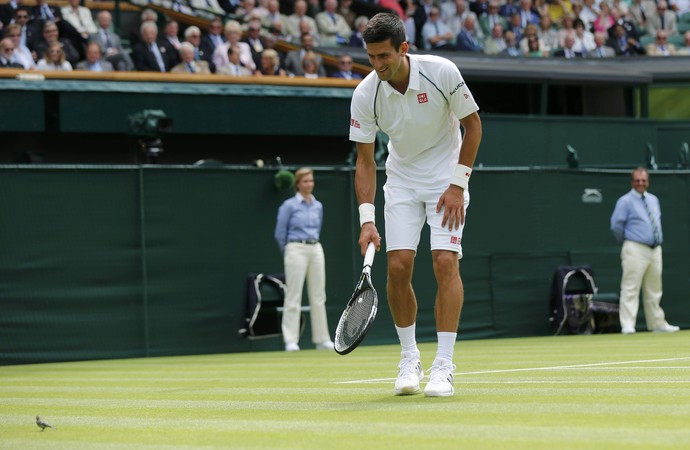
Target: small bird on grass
42,424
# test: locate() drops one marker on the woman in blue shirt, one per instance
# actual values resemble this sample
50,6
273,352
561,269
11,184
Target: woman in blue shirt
297,232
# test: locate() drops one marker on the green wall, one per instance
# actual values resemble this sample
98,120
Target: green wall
129,261
51,114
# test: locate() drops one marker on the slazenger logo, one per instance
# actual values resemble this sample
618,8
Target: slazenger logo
354,123
461,84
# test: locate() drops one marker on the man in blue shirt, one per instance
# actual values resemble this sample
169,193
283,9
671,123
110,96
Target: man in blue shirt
297,232
636,223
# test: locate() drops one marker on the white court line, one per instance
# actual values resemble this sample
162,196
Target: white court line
570,382
527,369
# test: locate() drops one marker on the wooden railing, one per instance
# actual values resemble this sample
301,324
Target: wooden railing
134,76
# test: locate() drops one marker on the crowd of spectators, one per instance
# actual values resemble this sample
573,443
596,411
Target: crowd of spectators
242,43
551,28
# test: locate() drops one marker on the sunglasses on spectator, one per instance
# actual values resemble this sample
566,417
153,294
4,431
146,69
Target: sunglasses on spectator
345,62
7,50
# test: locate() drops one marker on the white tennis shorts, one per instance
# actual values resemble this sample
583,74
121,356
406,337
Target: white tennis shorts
405,211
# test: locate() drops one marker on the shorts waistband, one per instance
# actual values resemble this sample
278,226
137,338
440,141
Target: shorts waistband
304,241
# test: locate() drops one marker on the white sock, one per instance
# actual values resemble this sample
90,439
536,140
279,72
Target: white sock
408,338
446,345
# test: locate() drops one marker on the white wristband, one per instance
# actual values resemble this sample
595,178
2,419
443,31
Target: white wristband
461,177
367,213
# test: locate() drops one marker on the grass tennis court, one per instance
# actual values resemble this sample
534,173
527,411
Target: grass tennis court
600,391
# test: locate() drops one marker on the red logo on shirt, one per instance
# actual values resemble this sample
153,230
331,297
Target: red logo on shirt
354,123
422,98
454,240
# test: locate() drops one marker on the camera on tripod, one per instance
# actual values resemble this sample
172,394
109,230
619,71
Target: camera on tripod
149,126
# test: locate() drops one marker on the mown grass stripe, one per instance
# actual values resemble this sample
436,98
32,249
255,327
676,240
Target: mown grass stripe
603,391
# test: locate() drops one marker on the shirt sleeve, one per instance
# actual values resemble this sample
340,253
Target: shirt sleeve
362,116
281,230
618,219
460,98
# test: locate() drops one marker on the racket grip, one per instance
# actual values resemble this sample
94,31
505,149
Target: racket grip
369,255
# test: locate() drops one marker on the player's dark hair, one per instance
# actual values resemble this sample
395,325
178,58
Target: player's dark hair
384,26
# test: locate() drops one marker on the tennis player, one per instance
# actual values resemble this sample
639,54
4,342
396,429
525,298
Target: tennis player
419,101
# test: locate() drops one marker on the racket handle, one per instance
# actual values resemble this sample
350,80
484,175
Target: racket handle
369,255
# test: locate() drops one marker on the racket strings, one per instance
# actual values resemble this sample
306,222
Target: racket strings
355,322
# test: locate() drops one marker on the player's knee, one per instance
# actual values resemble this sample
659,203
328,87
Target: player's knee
399,266
445,262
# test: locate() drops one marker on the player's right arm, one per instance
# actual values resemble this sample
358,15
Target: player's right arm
365,189
363,133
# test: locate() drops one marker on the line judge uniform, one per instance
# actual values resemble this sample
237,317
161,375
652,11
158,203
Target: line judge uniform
297,232
636,223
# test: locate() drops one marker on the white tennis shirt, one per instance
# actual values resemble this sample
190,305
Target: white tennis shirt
422,124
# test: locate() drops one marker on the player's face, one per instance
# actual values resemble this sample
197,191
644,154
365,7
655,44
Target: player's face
385,59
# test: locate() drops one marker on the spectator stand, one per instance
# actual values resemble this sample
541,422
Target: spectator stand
187,12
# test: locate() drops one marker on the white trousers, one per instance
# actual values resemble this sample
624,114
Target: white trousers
642,267
305,262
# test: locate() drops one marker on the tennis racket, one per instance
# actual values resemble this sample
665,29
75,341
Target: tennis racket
360,311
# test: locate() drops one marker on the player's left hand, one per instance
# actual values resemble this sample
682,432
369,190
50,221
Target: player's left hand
453,204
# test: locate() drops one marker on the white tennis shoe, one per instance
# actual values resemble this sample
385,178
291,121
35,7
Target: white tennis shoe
440,379
410,374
